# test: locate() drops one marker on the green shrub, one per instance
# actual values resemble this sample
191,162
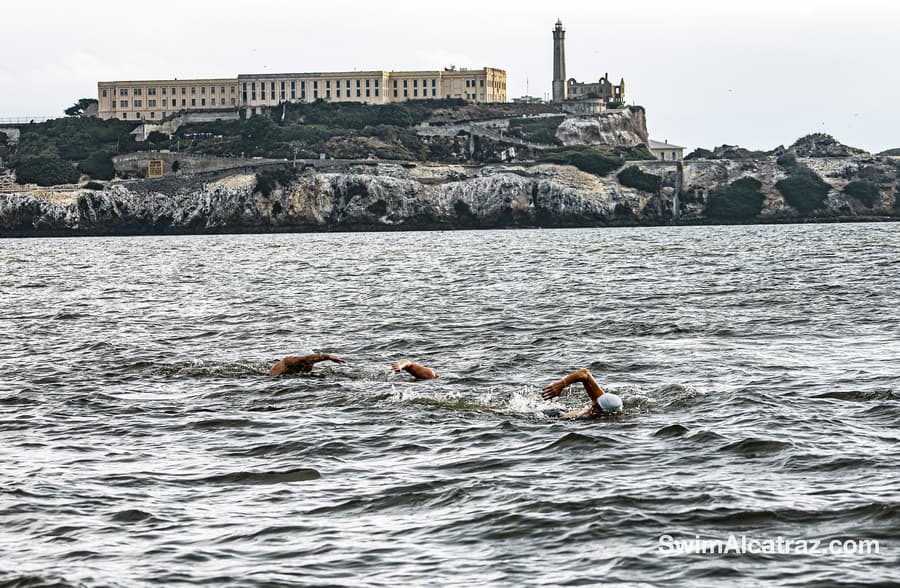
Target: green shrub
586,159
804,190
891,153
636,153
536,130
3,138
639,180
741,200
176,165
865,192
99,166
268,179
787,161
93,186
76,138
701,153
45,170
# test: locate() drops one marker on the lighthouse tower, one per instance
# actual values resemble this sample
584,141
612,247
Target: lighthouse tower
560,93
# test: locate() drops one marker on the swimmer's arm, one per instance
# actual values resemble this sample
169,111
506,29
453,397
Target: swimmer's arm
418,371
575,414
299,363
583,375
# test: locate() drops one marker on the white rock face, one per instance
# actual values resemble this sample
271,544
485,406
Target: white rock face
622,128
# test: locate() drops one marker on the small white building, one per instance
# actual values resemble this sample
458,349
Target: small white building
666,151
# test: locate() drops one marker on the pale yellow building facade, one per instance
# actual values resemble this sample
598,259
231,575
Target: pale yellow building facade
155,100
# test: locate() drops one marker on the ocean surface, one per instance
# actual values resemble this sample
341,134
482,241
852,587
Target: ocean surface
142,444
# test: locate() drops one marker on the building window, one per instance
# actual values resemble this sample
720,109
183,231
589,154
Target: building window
405,93
152,115
376,92
232,88
104,93
212,89
123,92
123,103
272,87
433,83
358,93
193,89
327,94
151,91
367,83
315,94
395,92
173,91
405,83
193,102
302,95
282,95
357,84
348,87
151,103
367,93
183,90
415,92
481,83
164,103
124,115
183,102
232,102
338,91
138,103
302,85
294,94
434,91
415,83
262,93
164,91
203,89
467,83
137,91
315,84
282,84
203,102
327,84
395,84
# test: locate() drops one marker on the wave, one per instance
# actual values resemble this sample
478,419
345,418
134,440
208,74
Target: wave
253,478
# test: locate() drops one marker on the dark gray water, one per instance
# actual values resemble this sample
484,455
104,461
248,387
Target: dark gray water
141,444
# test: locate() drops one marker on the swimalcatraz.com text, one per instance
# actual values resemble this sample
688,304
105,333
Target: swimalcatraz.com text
742,544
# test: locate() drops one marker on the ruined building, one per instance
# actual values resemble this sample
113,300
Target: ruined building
570,89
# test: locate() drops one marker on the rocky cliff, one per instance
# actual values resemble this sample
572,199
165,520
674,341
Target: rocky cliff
620,128
388,196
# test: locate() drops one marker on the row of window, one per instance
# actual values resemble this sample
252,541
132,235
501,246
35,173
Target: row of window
174,103
163,91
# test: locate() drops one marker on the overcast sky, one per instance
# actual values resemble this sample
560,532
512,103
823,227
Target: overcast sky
757,74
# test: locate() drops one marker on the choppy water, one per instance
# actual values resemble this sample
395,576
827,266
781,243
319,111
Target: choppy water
141,444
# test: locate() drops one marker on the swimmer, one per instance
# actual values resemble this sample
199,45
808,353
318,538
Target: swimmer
301,364
418,371
601,403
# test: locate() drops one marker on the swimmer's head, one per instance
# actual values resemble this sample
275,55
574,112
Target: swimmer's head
608,403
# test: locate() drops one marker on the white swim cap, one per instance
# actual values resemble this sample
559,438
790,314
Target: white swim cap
609,403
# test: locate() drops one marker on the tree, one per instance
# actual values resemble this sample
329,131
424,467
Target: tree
804,190
741,200
79,107
45,170
99,166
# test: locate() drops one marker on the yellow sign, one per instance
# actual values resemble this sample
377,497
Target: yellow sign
155,168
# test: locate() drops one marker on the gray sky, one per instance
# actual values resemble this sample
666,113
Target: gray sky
757,74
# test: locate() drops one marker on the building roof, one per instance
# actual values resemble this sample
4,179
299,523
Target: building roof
662,145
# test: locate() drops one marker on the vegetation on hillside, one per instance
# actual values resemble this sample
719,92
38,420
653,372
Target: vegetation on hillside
891,153
804,190
536,130
740,200
79,107
587,159
639,180
865,192
45,170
